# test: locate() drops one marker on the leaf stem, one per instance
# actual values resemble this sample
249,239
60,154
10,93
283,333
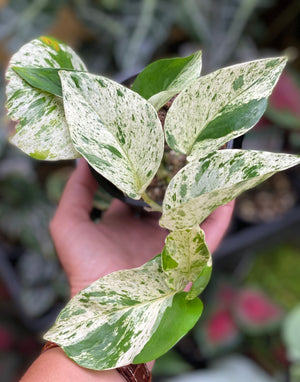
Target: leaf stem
154,206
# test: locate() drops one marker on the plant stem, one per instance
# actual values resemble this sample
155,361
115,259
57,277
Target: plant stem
154,206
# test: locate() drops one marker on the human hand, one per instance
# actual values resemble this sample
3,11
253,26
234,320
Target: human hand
121,240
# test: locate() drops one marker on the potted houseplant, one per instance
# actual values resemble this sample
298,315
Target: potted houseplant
64,112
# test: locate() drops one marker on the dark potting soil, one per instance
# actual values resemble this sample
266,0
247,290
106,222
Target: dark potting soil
171,163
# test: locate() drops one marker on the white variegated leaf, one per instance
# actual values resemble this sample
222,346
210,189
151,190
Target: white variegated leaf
116,130
109,323
221,106
202,186
184,256
42,131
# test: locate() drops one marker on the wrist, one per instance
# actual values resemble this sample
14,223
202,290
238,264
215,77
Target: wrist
129,373
54,366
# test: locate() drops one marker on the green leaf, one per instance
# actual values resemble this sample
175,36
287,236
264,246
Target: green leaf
294,372
221,106
42,131
177,320
184,256
117,131
284,118
109,323
200,187
201,282
162,79
46,79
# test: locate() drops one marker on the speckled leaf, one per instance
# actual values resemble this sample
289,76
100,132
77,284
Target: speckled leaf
162,79
221,106
42,131
115,129
109,323
202,186
183,257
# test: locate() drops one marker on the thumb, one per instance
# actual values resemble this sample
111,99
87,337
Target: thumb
77,199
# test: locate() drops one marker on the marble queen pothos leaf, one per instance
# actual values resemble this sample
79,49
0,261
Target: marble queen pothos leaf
221,106
164,78
184,256
115,129
42,131
200,187
122,318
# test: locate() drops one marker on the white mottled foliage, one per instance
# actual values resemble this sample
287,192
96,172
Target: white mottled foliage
117,131
202,186
135,315
221,106
108,323
184,255
42,131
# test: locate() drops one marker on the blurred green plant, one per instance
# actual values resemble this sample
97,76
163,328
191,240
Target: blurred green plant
291,337
125,35
130,30
42,283
236,314
230,368
274,268
25,212
171,364
238,320
21,19
283,110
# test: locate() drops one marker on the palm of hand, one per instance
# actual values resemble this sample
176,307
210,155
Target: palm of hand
120,241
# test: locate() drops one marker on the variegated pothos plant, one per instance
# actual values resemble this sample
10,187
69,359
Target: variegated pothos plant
64,112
